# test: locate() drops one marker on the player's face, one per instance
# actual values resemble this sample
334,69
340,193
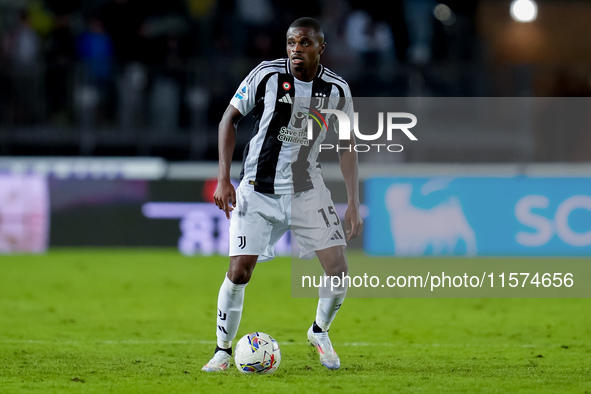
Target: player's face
304,48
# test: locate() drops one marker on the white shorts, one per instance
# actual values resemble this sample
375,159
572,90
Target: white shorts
260,220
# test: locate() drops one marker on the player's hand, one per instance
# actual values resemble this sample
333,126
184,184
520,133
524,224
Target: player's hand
353,222
225,197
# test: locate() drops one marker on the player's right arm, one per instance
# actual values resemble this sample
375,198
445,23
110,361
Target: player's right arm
240,105
225,195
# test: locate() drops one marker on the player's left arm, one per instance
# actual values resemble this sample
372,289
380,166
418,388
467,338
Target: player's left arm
349,167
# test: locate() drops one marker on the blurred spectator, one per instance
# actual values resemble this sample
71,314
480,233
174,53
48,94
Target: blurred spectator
223,27
123,20
165,29
333,17
96,53
95,50
167,84
419,21
22,49
149,37
60,59
371,39
338,55
256,33
202,15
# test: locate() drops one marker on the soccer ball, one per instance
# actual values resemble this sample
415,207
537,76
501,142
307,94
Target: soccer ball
257,352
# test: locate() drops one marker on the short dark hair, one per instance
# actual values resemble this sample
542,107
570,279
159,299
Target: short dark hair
310,23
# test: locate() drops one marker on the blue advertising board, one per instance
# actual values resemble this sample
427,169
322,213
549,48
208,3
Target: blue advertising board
492,216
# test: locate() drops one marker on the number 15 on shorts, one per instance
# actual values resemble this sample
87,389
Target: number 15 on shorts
329,220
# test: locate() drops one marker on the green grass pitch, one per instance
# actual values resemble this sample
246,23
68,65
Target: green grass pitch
143,321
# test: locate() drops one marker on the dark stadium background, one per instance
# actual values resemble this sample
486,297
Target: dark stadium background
152,78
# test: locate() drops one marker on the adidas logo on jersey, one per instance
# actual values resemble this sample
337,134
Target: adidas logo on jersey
336,235
286,99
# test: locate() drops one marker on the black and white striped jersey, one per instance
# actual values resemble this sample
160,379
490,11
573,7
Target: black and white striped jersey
279,158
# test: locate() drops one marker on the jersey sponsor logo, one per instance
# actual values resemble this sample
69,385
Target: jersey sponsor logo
293,136
242,239
298,121
286,99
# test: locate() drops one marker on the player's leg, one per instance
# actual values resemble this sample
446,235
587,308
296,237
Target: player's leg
318,230
330,299
252,238
231,299
230,304
229,313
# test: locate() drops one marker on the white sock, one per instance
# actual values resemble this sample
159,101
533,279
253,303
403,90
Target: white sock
230,302
329,303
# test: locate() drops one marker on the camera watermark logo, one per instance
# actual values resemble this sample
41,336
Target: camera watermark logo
345,127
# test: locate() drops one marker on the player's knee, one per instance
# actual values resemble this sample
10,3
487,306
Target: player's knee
336,267
240,271
335,263
340,269
239,276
